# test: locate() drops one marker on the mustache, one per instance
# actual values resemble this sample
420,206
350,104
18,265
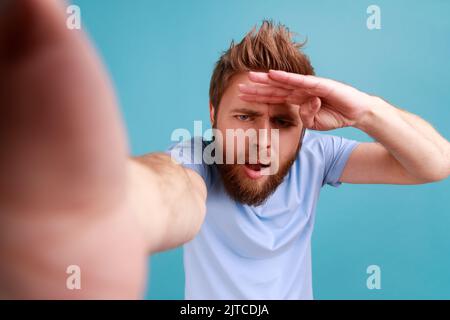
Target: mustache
249,192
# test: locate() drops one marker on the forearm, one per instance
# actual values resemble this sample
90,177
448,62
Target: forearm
409,140
428,132
169,200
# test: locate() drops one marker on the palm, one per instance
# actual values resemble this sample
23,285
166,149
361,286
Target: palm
328,119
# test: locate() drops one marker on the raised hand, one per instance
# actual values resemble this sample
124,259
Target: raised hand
324,104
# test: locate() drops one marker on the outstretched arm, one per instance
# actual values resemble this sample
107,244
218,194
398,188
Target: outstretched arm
69,195
159,182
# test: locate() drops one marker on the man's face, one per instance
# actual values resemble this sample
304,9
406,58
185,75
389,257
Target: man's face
252,182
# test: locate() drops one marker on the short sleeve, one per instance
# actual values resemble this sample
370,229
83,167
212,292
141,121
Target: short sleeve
337,150
189,154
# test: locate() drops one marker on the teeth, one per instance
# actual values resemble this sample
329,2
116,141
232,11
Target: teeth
255,167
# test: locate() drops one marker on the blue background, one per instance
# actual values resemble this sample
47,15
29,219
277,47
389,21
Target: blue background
161,53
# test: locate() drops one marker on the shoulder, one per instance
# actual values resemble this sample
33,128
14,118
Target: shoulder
324,144
327,152
315,143
189,153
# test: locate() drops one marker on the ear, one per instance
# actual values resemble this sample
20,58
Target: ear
212,111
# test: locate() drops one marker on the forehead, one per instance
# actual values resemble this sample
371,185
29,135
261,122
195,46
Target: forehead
230,100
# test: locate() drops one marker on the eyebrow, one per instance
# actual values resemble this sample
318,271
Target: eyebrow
249,112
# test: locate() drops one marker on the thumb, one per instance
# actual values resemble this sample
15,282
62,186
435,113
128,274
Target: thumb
308,111
27,25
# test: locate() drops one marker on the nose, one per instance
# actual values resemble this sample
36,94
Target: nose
264,139
264,133
263,136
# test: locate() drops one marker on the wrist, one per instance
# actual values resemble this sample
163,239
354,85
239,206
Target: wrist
376,109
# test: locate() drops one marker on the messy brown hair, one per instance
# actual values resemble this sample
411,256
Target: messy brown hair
269,47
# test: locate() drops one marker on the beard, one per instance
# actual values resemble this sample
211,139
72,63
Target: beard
252,192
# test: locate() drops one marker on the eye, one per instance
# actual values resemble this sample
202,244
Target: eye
243,117
281,122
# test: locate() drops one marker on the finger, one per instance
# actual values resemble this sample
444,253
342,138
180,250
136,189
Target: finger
313,85
264,90
298,97
263,78
262,99
309,110
28,25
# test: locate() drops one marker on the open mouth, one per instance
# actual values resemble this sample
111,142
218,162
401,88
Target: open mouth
253,171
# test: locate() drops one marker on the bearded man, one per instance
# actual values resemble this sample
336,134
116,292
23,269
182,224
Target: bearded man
255,242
